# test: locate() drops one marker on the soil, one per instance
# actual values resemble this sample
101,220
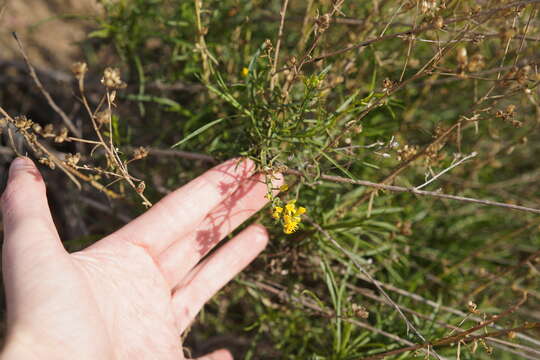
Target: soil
49,30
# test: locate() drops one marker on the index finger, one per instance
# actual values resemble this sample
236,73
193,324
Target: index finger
181,211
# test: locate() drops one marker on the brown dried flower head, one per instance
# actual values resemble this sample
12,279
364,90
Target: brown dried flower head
73,159
477,63
103,117
407,152
79,69
140,153
62,135
48,131
360,311
23,123
111,79
48,162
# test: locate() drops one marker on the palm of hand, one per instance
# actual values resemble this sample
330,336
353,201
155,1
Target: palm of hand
132,294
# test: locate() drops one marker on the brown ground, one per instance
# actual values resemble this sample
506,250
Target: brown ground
48,36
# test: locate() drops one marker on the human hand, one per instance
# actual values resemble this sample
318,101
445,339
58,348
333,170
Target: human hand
132,294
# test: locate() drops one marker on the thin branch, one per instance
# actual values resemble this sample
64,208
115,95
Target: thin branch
181,154
339,179
72,173
45,93
446,170
394,188
282,13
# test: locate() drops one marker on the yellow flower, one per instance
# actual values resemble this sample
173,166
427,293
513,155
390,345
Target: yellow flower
290,207
290,223
284,187
290,227
277,212
245,71
291,216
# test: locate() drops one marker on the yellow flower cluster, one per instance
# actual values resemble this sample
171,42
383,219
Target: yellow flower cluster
291,216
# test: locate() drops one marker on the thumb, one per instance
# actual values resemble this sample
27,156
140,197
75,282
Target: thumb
217,355
28,224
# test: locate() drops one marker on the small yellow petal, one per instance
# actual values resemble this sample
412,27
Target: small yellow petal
290,207
301,210
277,212
290,228
245,71
284,187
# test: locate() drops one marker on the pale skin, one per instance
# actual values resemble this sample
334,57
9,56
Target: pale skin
132,294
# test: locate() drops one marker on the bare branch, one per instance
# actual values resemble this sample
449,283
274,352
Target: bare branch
45,93
394,188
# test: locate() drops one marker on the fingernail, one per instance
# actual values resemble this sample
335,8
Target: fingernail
20,163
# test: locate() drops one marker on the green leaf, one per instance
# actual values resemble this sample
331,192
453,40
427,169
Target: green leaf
343,170
197,132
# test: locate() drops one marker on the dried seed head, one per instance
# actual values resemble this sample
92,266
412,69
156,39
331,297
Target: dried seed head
405,227
516,123
111,79
140,153
37,128
360,311
62,135
461,56
523,75
477,63
23,123
438,22
72,159
472,307
387,85
429,7
268,44
407,152
322,23
79,69
48,131
48,162
103,117
510,109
